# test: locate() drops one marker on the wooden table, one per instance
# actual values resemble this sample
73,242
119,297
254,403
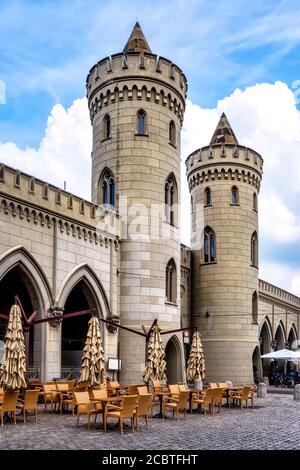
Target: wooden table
160,395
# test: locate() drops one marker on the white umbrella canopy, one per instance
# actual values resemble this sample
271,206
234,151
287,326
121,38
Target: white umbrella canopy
156,364
13,367
196,362
286,354
92,364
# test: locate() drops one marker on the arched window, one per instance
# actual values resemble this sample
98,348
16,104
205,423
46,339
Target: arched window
171,282
207,197
172,133
171,199
234,195
254,249
254,307
255,202
209,245
107,188
106,127
141,122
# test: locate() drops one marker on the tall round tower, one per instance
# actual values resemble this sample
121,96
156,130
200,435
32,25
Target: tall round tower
137,101
224,180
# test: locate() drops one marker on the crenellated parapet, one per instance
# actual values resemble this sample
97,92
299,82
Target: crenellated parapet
136,76
224,162
33,200
271,292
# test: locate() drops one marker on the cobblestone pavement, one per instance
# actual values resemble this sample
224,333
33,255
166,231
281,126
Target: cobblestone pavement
272,424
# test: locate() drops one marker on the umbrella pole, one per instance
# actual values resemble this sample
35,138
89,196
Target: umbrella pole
26,340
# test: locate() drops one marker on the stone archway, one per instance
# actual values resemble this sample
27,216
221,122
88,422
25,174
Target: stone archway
265,346
21,275
280,344
257,364
174,360
292,338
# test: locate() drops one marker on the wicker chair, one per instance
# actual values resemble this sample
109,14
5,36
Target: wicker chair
177,404
241,396
84,406
125,411
203,398
29,403
9,404
142,410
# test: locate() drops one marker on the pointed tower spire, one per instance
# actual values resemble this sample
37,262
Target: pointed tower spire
137,41
223,133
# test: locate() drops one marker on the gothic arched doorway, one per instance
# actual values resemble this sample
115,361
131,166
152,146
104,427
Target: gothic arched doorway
257,365
74,329
174,360
265,346
17,282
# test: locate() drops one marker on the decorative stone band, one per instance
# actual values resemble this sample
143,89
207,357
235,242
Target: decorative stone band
41,217
136,89
224,173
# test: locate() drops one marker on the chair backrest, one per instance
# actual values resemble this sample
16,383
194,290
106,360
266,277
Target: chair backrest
10,400
144,402
245,393
128,406
183,398
71,384
217,395
212,385
98,394
223,385
31,399
48,388
143,390
156,385
209,393
114,384
62,387
182,387
102,386
82,398
132,390
174,389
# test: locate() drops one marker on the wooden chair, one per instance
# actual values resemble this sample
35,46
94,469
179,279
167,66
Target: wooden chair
217,398
29,403
125,411
241,396
84,406
142,410
177,404
203,398
50,395
9,404
143,390
95,397
182,387
157,387
174,390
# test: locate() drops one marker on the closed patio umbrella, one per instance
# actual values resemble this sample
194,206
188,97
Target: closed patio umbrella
156,364
196,362
92,364
13,367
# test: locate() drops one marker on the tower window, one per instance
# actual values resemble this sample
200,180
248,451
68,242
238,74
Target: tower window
171,199
106,127
172,133
107,188
209,245
171,282
254,308
234,195
255,202
207,197
141,122
254,249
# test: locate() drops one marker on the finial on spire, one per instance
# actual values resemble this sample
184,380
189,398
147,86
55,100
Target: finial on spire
137,41
223,133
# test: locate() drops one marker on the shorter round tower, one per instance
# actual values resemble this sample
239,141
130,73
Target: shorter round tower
224,180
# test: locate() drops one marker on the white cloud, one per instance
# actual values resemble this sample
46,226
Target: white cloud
263,117
64,153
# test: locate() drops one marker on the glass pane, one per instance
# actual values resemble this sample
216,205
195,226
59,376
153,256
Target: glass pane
212,249
206,250
141,123
112,193
105,193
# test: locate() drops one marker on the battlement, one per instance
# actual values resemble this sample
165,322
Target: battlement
38,200
269,290
223,161
147,66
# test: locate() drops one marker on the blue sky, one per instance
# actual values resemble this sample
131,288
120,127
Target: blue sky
238,56
47,48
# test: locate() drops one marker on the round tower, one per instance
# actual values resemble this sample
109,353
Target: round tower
137,101
224,180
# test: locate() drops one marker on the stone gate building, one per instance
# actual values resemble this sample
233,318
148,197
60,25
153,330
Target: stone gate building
121,252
